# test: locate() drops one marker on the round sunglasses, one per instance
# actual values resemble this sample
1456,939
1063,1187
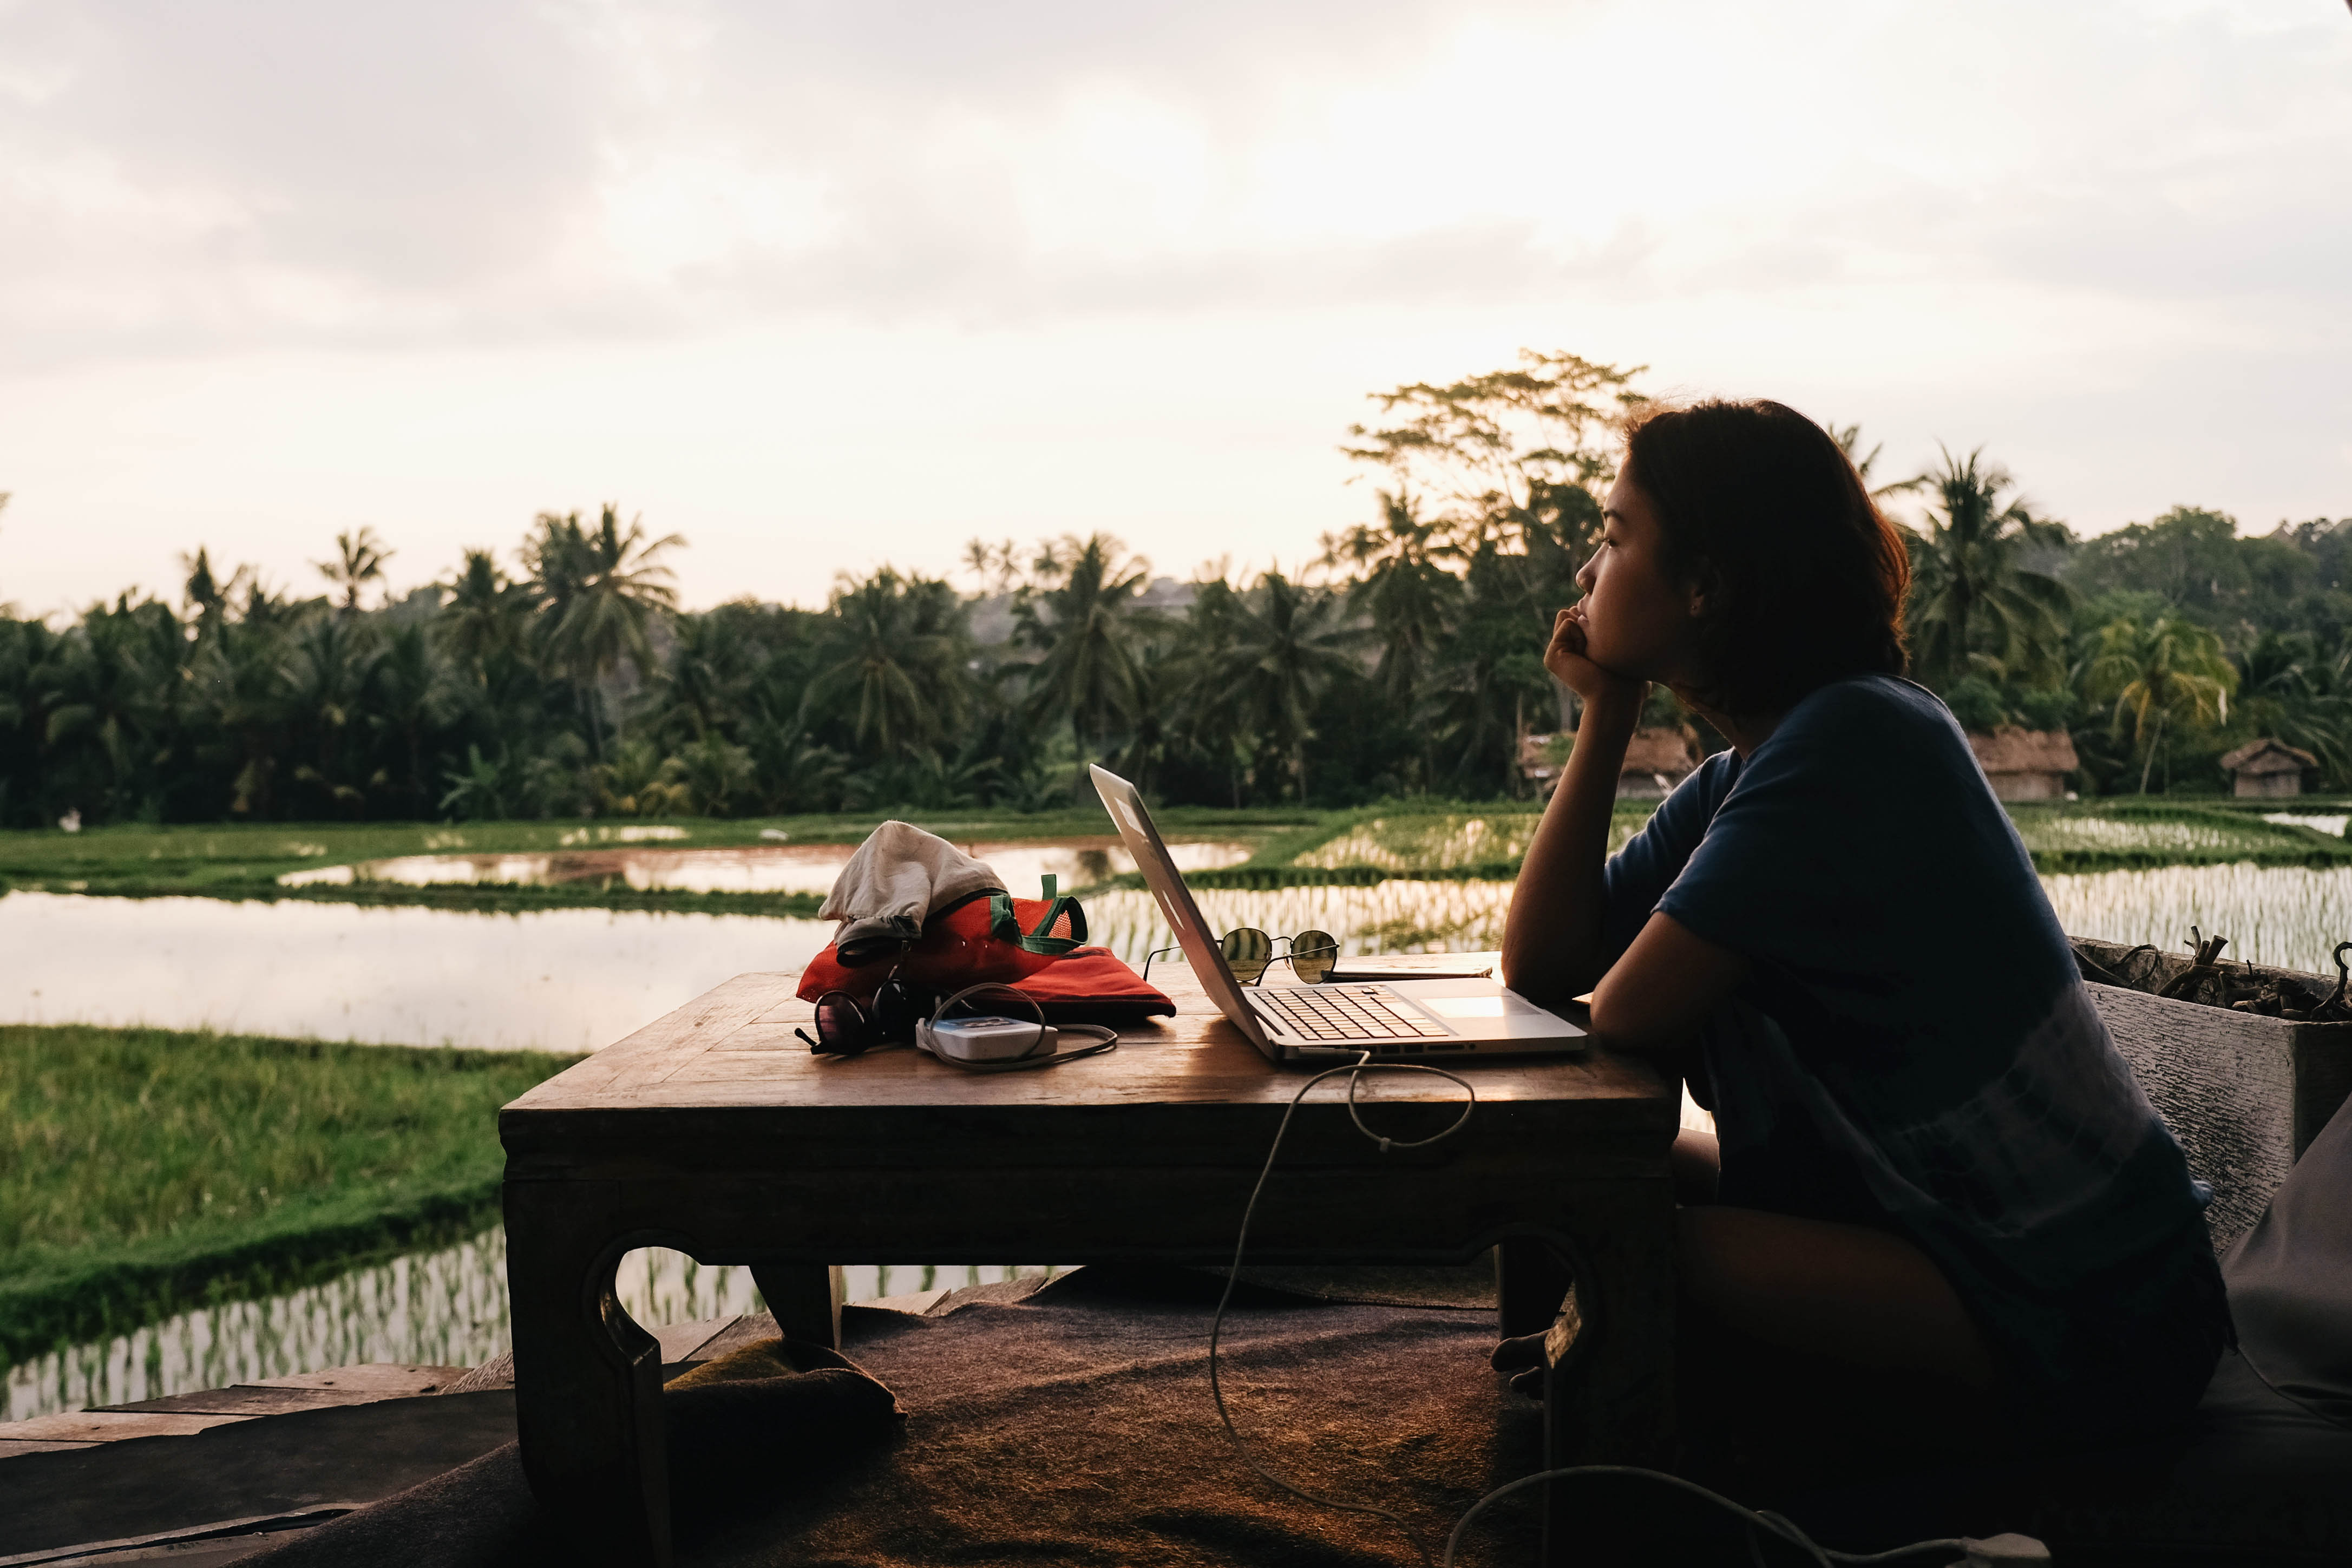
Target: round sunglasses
1249,953
847,1026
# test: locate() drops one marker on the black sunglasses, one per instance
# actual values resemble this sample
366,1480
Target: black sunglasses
847,1027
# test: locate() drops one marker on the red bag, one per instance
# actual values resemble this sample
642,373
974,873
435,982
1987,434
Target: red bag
994,936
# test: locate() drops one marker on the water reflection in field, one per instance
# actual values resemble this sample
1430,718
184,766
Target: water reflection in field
445,1308
564,979
577,980
755,868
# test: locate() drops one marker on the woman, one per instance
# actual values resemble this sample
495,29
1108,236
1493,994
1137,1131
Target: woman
1941,1210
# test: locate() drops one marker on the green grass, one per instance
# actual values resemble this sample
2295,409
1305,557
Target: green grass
145,1171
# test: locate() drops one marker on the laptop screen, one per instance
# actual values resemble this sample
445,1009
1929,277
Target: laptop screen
1175,899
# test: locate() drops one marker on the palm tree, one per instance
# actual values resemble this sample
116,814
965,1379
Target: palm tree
209,597
239,687
408,693
108,690
359,561
2286,688
1086,628
1196,681
2166,674
1849,440
1403,582
1975,607
597,589
328,671
896,660
994,566
482,613
1288,643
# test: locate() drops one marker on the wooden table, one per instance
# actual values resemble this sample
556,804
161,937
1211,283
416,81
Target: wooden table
715,1132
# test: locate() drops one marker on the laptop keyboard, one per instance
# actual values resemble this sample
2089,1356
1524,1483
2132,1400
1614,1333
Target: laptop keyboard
1346,1013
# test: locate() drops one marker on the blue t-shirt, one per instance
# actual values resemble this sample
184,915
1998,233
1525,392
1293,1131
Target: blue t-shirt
1914,1049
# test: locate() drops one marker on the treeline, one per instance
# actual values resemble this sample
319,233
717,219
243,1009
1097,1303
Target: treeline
1404,660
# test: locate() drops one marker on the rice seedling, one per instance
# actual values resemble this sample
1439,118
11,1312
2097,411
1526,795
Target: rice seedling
446,1306
145,1170
2290,916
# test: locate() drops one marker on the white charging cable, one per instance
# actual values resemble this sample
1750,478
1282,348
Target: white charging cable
1771,1524
1355,1072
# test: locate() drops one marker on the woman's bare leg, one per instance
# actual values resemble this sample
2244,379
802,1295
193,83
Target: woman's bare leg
1835,1294
1838,1315
1698,1164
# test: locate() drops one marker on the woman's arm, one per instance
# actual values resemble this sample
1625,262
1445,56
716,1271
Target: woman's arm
1551,938
1656,996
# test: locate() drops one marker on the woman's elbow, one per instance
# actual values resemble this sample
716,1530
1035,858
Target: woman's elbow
1624,1022
1546,985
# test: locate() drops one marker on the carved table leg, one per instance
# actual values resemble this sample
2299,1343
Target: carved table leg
805,1298
587,1378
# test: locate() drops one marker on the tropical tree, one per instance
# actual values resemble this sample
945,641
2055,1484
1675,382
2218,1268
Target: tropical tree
1849,441
2161,677
328,671
1402,578
2287,687
210,598
1084,619
1193,684
1976,606
109,686
1497,450
597,589
410,694
359,561
639,782
895,663
238,698
1515,461
1289,642
482,613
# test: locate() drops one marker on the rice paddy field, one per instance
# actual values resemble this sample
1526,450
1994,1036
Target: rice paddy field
314,1203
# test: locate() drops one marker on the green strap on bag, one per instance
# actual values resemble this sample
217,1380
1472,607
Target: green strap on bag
1005,927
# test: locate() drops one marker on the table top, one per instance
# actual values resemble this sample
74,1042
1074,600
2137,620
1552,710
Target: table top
734,1047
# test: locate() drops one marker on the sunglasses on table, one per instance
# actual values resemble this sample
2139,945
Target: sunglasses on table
847,1026
1249,952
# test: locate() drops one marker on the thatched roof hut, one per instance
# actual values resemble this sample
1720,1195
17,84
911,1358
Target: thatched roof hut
2269,766
1656,759
2025,764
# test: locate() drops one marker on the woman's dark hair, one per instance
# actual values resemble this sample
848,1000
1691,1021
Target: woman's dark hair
1804,577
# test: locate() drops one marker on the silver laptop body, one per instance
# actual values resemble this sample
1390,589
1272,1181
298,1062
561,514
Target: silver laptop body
1444,1020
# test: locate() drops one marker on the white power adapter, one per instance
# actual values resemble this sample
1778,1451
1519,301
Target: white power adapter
993,1039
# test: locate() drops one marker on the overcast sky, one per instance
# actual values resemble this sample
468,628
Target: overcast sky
824,286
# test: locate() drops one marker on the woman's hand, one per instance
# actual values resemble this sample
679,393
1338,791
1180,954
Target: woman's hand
1565,657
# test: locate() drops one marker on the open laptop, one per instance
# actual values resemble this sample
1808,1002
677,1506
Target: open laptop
1449,1019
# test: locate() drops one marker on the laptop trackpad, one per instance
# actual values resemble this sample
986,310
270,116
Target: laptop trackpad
1499,1003
1491,1014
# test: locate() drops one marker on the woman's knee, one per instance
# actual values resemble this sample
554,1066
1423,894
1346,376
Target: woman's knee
1697,1166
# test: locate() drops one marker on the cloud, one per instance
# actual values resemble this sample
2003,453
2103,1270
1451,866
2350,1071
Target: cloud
301,254
215,173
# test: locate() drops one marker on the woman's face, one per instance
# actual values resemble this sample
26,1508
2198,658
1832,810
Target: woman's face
1639,617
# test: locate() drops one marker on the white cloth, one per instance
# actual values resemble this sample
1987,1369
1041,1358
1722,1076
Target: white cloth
892,884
